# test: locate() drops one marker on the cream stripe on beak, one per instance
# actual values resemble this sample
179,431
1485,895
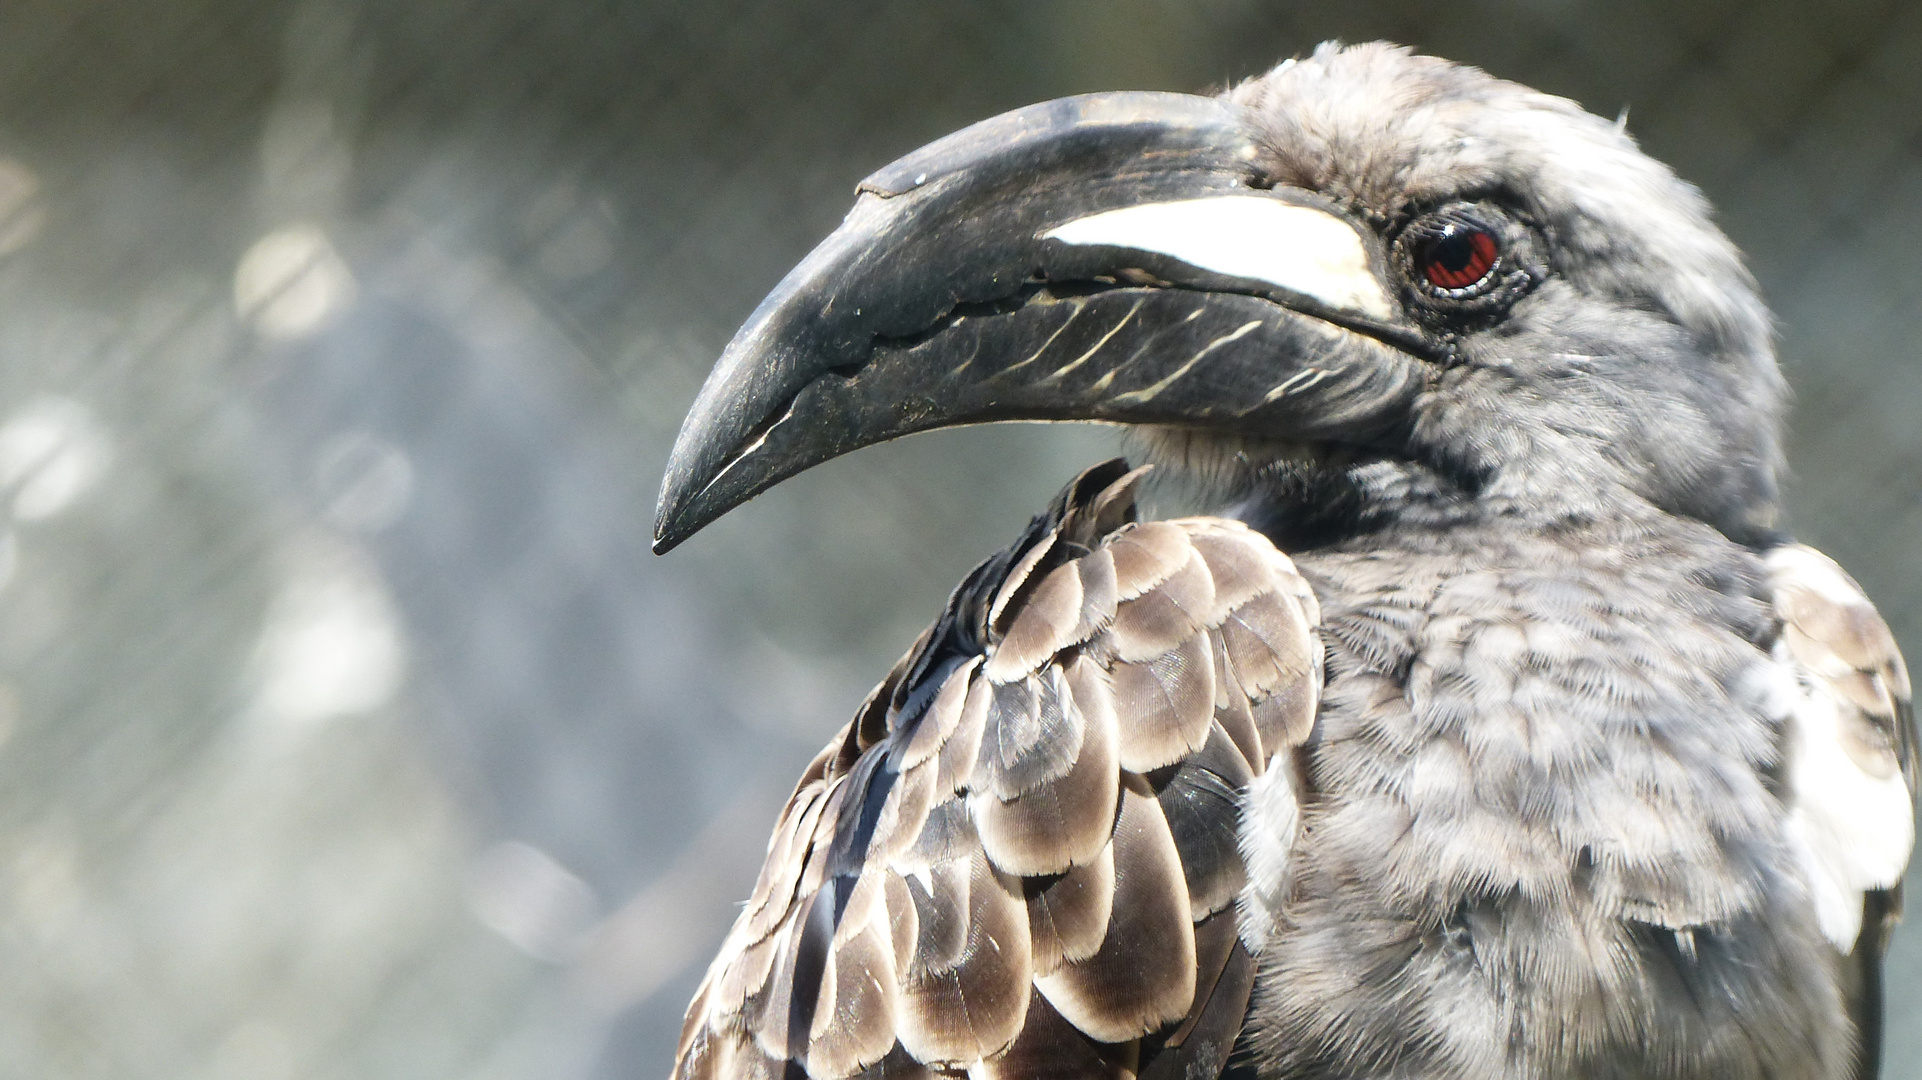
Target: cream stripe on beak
1298,248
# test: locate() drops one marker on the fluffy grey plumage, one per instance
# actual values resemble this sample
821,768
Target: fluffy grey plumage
1544,825
1541,752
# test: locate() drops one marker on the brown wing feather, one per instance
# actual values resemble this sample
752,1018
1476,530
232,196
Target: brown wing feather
1020,857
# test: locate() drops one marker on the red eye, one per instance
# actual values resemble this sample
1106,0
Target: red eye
1458,256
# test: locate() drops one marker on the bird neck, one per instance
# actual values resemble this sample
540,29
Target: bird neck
1387,502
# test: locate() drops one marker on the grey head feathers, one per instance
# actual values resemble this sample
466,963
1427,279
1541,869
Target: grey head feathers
1637,371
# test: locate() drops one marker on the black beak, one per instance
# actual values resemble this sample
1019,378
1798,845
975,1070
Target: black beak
1113,257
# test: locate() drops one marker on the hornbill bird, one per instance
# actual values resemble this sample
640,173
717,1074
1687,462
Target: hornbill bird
1495,728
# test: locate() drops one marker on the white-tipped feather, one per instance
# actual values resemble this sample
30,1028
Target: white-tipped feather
1270,815
1854,831
1851,813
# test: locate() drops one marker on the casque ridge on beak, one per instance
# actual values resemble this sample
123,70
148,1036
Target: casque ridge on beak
1111,257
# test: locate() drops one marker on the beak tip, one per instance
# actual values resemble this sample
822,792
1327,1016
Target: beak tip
662,542
668,534
671,524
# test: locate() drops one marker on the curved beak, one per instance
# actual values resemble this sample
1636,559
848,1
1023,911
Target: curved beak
1112,257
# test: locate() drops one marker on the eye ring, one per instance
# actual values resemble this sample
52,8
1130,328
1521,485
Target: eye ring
1457,258
1463,265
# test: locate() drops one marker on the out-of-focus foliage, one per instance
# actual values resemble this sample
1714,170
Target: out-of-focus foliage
346,726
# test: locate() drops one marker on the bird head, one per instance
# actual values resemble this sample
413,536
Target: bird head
1367,286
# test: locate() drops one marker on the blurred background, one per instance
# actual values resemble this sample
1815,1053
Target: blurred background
347,727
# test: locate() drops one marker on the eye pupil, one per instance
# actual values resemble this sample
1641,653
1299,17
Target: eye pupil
1459,256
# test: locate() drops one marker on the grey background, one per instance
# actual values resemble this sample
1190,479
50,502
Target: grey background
346,726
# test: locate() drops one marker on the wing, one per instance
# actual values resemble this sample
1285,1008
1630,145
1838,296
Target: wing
1851,769
1019,858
